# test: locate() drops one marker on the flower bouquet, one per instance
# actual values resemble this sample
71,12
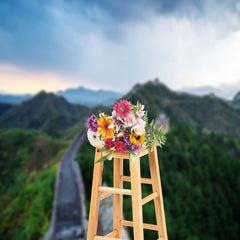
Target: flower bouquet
126,130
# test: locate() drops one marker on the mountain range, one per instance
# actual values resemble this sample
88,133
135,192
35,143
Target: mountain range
45,111
54,114
79,95
208,112
14,99
199,167
90,97
225,93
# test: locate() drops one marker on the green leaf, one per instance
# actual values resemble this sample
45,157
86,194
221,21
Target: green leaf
145,118
107,157
132,156
104,148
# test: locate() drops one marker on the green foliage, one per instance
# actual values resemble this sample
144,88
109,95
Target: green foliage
154,135
207,112
46,112
200,181
28,165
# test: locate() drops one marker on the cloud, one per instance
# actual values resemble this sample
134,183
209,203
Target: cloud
112,45
16,80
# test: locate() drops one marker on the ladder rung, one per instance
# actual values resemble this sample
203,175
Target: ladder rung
115,190
143,180
145,225
149,198
107,238
104,195
112,234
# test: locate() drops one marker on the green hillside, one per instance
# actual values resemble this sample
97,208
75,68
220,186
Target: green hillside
199,165
4,107
210,113
236,101
46,112
200,181
28,164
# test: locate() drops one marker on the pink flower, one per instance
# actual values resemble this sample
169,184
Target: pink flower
141,122
140,113
130,120
122,108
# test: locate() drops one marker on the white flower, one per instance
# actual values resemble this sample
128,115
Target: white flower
117,121
138,129
141,122
101,114
94,138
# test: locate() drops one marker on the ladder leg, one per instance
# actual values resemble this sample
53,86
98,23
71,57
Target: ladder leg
117,198
158,202
95,197
136,199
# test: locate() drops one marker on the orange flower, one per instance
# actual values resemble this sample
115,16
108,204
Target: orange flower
104,130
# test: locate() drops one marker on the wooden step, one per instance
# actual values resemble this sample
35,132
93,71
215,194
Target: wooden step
143,180
107,238
145,225
149,198
115,190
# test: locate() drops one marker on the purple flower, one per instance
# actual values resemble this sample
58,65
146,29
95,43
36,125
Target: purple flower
136,148
127,140
92,123
126,148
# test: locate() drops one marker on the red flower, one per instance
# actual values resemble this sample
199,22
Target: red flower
120,147
109,143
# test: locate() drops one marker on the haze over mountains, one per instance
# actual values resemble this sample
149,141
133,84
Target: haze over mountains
47,111
90,97
93,98
79,95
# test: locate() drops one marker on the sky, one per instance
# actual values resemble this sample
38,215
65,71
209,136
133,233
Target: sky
114,44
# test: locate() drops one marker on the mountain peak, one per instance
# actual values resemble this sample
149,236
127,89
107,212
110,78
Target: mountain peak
155,83
90,97
43,94
237,97
236,100
44,111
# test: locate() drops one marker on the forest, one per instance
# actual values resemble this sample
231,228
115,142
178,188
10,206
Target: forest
200,182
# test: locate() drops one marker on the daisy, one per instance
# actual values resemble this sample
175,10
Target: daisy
137,139
104,122
94,138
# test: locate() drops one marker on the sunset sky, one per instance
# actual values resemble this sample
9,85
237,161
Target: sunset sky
113,44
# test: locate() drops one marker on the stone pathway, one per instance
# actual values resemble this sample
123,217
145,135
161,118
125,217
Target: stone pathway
69,224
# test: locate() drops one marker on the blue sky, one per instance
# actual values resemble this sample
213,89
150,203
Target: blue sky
113,44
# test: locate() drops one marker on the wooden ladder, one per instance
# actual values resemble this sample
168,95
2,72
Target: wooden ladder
99,192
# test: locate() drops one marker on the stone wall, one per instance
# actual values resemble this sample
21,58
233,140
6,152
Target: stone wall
75,146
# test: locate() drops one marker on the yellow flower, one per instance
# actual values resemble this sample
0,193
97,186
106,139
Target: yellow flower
137,139
104,130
